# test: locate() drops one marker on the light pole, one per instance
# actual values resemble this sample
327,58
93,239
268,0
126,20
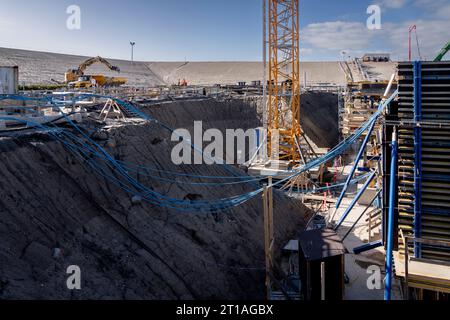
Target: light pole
132,51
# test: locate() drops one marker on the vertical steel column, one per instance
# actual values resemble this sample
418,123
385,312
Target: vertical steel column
391,215
264,84
417,156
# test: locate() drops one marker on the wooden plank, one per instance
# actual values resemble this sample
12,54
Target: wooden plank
429,272
318,198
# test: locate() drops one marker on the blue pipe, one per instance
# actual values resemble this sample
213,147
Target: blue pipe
390,224
417,157
355,200
367,247
358,157
103,163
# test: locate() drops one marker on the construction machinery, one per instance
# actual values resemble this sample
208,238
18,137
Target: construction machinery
283,90
76,77
412,29
443,52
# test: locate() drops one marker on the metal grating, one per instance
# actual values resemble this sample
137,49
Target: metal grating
424,155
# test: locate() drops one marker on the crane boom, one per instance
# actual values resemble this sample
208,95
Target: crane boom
443,52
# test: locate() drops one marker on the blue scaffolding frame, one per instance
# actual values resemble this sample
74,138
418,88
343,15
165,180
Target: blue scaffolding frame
391,218
417,156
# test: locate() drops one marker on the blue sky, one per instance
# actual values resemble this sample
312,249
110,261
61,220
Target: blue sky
217,30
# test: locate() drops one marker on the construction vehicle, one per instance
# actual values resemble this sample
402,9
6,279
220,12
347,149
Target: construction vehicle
90,81
77,79
443,52
182,83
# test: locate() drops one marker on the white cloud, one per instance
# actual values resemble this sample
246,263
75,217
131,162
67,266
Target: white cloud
437,8
433,34
337,35
329,38
429,3
444,12
394,4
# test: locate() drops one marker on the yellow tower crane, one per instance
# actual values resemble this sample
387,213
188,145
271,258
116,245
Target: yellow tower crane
283,87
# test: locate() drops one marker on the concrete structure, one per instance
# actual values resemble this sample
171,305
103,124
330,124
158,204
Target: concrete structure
9,80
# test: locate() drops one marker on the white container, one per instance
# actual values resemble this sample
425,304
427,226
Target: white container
9,80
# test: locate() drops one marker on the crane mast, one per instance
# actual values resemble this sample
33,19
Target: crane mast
283,88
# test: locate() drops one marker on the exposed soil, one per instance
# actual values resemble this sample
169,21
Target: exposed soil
56,211
320,118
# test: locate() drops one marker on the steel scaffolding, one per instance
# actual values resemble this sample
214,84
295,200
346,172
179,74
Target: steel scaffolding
283,90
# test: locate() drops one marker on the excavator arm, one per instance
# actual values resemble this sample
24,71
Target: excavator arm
443,52
91,61
73,75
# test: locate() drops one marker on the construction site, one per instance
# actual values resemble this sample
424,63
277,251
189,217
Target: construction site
339,190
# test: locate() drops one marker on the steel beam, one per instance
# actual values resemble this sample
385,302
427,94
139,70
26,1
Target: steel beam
283,90
368,246
391,218
417,156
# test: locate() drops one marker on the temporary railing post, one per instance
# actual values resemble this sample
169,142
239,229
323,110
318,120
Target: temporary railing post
417,156
390,224
268,234
266,239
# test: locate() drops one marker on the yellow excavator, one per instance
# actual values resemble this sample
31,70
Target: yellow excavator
77,79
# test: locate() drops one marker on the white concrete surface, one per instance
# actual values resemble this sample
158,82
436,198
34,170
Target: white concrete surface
357,265
41,67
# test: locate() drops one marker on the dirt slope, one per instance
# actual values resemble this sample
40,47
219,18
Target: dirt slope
320,119
127,250
318,116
